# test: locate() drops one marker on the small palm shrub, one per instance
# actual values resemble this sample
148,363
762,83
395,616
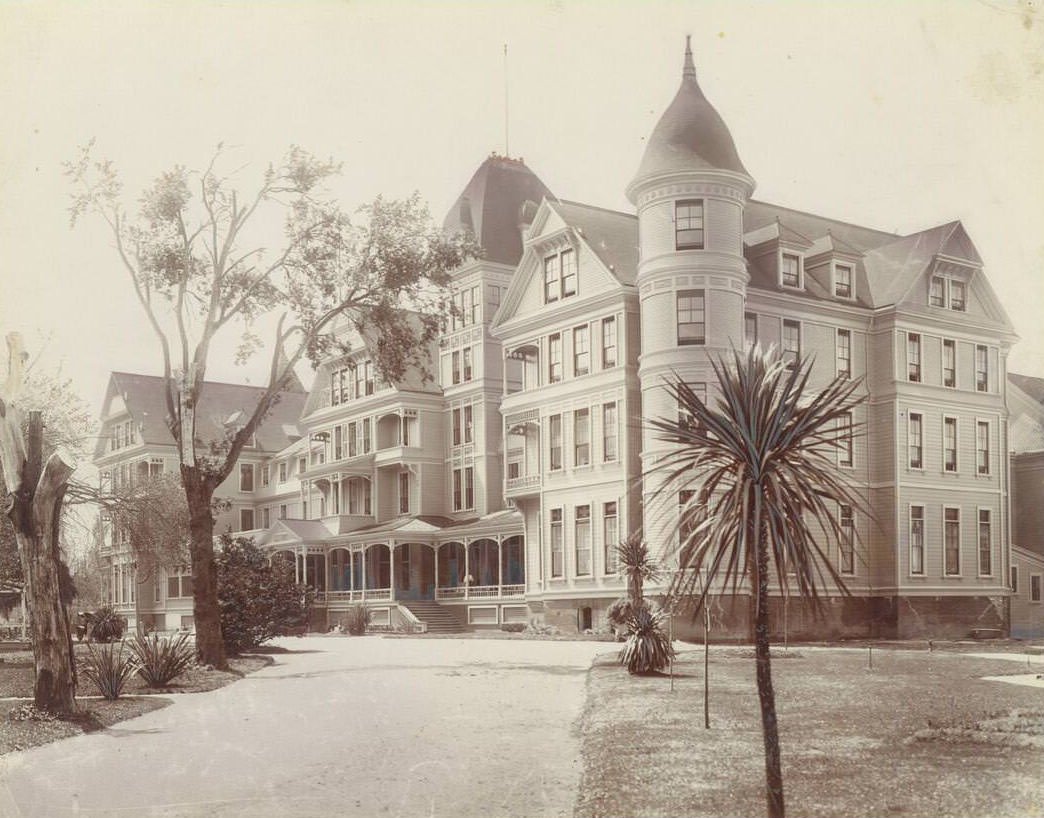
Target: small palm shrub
358,620
107,625
648,648
161,661
109,668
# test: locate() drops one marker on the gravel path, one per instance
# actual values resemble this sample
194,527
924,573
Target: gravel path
358,727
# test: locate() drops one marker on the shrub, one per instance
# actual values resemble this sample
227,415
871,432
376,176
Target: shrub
648,649
258,601
513,627
109,669
358,620
160,661
107,625
620,612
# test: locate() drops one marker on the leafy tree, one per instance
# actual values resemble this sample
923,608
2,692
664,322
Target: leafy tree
197,273
765,487
258,600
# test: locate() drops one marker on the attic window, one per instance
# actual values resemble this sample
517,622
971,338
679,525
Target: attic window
948,293
842,281
790,271
688,224
559,276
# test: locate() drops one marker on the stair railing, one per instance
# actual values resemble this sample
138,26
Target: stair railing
411,622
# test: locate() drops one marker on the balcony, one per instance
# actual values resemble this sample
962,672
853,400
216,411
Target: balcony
522,486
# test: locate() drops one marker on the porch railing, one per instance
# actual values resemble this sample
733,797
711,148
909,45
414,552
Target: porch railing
481,592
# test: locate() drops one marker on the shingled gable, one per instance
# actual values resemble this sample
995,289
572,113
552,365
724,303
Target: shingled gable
144,400
608,235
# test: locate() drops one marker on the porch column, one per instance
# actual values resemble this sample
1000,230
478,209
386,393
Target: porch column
500,565
391,571
326,571
467,567
351,571
363,577
435,582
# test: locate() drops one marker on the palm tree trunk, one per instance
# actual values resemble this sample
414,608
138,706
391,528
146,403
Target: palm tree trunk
766,694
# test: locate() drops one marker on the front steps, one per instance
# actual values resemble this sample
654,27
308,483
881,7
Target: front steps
437,618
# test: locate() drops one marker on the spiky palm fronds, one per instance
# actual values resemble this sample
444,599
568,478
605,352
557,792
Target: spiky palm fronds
763,481
765,452
648,648
638,565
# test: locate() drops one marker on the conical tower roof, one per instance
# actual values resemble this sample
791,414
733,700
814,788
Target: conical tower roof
690,135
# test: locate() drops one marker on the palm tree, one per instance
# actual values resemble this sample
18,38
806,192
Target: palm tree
638,565
760,471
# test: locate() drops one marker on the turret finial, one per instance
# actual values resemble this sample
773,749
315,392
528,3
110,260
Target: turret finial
690,67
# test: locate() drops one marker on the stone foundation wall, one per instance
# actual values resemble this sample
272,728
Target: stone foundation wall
950,617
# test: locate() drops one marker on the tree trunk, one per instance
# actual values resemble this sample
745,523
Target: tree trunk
206,613
36,513
766,695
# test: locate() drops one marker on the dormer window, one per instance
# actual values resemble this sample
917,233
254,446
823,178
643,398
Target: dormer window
688,224
842,281
559,275
948,293
790,271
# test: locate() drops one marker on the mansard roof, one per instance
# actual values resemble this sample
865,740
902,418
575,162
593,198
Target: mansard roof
221,406
490,207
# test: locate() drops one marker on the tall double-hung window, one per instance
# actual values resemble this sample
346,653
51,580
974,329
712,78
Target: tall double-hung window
609,342
982,369
582,540
581,351
913,357
844,353
982,447
951,541
554,358
581,437
688,224
791,342
692,317
557,543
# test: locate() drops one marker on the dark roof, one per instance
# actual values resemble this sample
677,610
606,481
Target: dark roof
1034,387
611,234
490,207
759,214
690,134
146,402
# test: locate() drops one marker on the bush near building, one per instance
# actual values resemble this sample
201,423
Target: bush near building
259,600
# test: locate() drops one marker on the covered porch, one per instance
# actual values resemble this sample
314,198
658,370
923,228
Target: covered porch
491,567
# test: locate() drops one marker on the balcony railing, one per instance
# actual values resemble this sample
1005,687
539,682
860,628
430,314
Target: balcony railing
481,592
523,484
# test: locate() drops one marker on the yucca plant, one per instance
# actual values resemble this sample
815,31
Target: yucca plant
648,648
358,620
106,625
760,466
638,566
109,668
161,661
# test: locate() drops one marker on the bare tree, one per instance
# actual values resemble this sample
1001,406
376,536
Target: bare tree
32,499
196,272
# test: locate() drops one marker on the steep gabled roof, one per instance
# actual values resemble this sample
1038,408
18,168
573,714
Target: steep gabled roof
1034,387
612,235
893,268
222,403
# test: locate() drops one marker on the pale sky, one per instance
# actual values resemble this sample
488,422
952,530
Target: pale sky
895,115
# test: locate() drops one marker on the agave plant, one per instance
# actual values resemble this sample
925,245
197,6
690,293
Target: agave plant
763,498
161,661
109,668
648,648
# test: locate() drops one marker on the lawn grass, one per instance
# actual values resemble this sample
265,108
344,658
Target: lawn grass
918,735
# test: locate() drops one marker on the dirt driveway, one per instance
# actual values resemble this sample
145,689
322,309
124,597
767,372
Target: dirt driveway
360,727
